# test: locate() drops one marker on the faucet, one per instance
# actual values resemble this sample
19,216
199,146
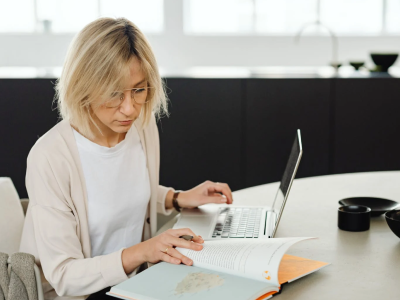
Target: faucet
334,39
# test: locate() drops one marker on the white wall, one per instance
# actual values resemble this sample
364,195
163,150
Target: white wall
175,50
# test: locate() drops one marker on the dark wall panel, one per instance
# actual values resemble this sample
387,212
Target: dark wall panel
25,114
237,131
367,125
201,140
275,109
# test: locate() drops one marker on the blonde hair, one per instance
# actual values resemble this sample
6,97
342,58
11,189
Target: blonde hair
97,64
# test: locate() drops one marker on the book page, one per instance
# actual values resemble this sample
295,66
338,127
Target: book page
257,259
292,267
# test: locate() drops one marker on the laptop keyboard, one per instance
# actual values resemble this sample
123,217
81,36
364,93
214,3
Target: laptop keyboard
238,222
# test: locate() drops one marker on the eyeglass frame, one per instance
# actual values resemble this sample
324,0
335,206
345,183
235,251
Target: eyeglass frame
136,89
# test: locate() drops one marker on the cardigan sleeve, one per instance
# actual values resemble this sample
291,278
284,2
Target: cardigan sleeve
162,190
161,195
58,244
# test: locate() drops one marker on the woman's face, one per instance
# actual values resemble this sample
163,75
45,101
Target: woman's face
120,119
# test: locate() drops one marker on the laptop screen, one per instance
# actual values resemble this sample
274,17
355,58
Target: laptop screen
287,178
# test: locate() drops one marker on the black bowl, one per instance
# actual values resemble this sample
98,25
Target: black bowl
356,64
378,205
383,60
336,65
393,220
354,217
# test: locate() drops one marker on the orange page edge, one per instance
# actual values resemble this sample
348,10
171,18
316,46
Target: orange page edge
293,267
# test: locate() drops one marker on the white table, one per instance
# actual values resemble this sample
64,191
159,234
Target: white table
364,265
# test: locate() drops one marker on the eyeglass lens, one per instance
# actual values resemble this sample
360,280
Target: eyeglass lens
138,95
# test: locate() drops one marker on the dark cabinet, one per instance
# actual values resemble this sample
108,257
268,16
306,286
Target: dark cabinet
26,113
201,140
275,109
238,131
367,125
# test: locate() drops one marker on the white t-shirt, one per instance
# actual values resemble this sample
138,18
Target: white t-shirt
118,188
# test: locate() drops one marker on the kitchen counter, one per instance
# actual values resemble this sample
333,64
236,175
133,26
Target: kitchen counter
223,72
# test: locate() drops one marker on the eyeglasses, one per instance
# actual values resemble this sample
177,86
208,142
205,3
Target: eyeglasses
139,95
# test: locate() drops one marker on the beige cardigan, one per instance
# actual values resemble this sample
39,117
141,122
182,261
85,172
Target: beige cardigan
56,228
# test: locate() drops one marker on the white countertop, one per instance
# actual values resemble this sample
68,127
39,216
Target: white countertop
222,72
364,265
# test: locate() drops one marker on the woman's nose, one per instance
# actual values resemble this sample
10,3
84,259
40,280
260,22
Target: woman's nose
128,105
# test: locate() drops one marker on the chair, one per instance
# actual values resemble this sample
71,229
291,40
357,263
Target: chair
12,222
11,217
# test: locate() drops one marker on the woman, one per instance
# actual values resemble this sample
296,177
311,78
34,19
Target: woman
93,178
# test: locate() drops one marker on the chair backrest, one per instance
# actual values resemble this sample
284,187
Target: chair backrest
11,217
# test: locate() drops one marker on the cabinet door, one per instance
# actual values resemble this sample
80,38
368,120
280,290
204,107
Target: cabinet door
367,125
275,109
201,138
27,112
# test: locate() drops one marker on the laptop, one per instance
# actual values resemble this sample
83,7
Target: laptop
213,221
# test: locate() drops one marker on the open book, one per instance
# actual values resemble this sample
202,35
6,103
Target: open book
236,269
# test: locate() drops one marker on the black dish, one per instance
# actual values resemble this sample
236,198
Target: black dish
354,218
378,205
393,220
356,64
336,65
383,60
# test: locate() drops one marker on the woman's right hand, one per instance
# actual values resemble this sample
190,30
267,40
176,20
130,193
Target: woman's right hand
161,248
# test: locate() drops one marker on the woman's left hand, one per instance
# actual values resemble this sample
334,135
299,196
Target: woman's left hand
207,192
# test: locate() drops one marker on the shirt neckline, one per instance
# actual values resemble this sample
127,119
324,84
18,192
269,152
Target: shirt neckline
94,148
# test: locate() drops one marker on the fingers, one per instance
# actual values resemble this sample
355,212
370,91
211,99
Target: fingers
186,244
171,239
215,198
198,239
185,231
182,258
223,188
161,247
169,259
